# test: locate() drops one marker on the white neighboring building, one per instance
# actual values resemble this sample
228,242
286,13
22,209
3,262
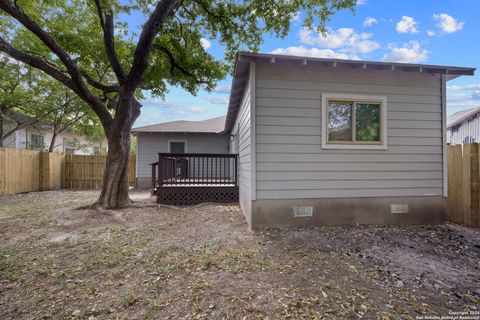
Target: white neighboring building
38,137
464,127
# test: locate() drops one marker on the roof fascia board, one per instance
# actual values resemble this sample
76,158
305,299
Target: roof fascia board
464,117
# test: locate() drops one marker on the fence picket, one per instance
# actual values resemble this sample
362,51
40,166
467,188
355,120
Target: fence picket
28,170
458,172
466,218
475,186
463,202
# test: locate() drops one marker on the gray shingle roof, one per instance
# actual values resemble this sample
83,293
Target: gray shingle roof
214,125
459,116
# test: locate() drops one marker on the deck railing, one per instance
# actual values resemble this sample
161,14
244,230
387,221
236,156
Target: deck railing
194,169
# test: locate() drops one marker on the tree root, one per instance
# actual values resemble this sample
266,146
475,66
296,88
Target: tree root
99,207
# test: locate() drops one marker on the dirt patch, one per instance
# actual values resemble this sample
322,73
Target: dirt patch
146,262
64,236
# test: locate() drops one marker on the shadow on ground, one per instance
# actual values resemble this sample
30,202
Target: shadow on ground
203,262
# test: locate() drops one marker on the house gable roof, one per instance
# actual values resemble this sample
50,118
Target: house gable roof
26,120
243,60
214,125
18,117
460,116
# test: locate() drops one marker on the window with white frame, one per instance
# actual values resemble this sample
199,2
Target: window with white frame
354,122
36,142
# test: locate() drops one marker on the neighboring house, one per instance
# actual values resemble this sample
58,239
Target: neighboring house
464,127
328,141
177,137
38,136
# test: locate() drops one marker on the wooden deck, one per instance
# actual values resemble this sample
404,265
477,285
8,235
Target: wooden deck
190,178
198,182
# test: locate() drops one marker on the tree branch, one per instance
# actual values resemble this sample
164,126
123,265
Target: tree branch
35,62
27,22
100,86
106,22
174,65
162,12
74,120
222,19
77,84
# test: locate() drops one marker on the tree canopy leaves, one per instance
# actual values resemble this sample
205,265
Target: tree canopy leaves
91,47
40,99
177,57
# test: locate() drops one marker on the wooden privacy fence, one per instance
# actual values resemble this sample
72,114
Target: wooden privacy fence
86,172
463,184
27,170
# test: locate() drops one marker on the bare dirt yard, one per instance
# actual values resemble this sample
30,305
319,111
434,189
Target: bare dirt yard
203,263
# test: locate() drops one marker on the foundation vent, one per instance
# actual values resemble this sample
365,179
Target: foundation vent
302,211
399,208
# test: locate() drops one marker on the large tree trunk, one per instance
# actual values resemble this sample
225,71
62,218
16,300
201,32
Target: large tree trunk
52,142
115,179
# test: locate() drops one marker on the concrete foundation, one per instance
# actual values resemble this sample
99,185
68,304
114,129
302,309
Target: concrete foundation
246,205
350,211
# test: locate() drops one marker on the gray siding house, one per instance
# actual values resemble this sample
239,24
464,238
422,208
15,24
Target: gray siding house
464,127
327,141
179,137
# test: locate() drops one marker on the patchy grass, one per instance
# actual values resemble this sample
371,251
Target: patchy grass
27,205
150,263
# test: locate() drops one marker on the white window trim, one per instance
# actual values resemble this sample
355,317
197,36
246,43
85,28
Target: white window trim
184,141
363,98
38,134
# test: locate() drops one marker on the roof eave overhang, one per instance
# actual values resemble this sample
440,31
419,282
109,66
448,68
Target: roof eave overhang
239,81
177,132
463,118
452,71
243,59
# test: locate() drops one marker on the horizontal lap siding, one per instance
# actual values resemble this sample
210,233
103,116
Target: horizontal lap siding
242,132
467,132
291,162
150,144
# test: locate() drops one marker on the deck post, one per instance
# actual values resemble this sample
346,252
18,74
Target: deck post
153,177
160,169
236,171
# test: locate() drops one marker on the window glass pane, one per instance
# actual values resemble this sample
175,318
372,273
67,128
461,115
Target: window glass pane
340,121
36,141
177,147
367,122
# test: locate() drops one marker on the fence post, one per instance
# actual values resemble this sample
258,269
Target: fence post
474,181
68,179
44,172
458,173
466,184
451,184
3,172
132,167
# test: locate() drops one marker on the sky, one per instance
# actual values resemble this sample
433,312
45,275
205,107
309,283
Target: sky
442,32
